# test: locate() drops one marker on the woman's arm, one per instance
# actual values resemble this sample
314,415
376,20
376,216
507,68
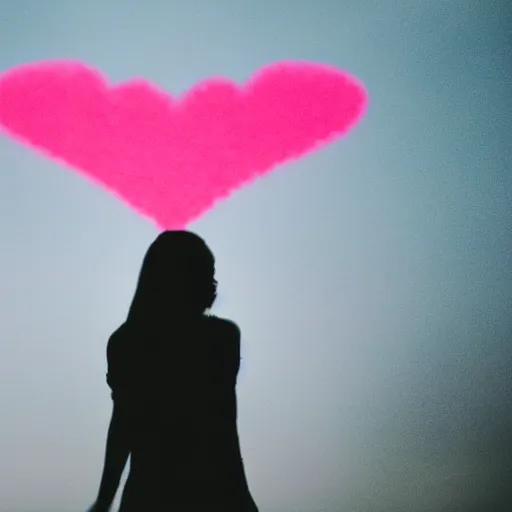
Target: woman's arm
116,455
233,341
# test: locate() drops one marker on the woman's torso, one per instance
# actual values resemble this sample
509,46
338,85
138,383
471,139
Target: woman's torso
176,385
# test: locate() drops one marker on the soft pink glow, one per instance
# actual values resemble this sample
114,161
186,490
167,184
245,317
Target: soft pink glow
172,159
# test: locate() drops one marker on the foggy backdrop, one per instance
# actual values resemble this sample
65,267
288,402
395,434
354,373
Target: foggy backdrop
372,280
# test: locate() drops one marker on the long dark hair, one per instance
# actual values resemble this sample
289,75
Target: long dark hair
177,278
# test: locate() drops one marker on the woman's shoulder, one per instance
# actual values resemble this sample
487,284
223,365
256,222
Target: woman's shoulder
117,340
224,327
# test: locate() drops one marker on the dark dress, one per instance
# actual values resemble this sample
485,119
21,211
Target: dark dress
176,387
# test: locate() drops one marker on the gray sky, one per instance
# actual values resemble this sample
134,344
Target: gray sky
372,279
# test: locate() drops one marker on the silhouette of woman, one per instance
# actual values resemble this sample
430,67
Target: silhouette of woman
172,370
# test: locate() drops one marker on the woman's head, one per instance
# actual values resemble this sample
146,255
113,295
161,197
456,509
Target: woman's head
177,276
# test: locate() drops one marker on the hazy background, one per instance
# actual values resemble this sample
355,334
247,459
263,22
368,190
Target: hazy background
372,280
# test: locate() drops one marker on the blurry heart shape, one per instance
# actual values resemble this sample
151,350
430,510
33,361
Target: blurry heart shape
173,159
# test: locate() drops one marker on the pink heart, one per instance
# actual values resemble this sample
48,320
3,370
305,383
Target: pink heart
172,159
